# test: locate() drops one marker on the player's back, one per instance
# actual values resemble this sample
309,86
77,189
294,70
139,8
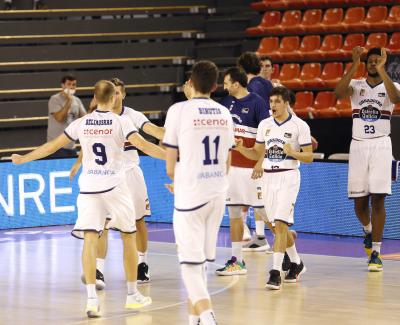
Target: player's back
101,135
204,134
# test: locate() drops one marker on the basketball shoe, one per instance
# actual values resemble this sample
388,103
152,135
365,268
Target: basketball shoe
137,301
93,308
375,262
368,243
294,272
143,273
257,244
275,281
232,267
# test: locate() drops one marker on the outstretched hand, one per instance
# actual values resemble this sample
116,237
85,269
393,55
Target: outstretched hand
17,159
380,64
356,54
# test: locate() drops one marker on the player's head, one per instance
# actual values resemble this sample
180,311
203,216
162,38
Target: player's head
235,80
104,92
250,63
204,77
119,92
68,84
279,101
266,67
372,59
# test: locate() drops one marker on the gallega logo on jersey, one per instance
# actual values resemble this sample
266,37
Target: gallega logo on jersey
370,113
381,94
287,135
245,110
362,92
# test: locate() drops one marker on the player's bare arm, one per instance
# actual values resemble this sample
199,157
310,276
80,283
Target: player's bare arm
154,130
171,158
147,147
75,167
393,92
343,88
254,153
43,151
304,156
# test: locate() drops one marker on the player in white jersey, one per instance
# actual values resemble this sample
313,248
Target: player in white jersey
283,141
198,137
103,188
137,187
370,159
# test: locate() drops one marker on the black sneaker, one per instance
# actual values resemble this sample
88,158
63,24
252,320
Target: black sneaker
286,263
143,275
100,282
294,272
274,282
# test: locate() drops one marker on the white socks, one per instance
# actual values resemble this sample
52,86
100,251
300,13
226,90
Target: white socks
292,252
277,261
132,287
237,250
368,228
91,291
142,257
260,228
208,318
376,246
100,264
194,320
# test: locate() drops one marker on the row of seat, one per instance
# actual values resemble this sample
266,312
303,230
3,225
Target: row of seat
333,20
332,47
313,76
324,105
300,4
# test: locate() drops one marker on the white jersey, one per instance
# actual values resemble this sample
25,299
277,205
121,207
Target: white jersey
372,110
101,135
274,135
202,131
138,119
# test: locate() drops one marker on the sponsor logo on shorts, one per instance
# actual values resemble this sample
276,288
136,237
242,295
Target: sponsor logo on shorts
357,192
259,193
147,205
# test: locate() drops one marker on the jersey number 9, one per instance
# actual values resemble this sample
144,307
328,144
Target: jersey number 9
100,151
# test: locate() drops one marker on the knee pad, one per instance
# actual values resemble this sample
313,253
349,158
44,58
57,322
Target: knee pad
193,278
235,212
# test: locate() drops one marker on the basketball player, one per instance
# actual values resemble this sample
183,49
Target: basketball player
200,132
285,140
370,159
103,188
247,111
137,187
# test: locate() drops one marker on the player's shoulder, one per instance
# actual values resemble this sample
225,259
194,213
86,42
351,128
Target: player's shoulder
267,122
299,122
256,98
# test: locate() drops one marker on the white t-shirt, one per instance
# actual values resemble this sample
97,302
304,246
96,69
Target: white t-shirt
274,135
101,135
372,109
138,119
202,131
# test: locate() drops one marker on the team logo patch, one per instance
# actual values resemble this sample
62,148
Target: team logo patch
381,94
370,114
275,154
245,110
267,132
362,92
287,135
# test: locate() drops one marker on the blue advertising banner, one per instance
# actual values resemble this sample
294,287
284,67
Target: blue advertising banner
41,194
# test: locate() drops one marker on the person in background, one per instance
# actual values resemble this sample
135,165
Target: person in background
36,5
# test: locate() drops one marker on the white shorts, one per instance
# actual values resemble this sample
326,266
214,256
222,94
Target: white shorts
370,167
138,190
280,192
93,209
196,231
243,190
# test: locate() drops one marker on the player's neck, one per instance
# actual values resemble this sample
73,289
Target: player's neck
374,80
282,118
241,93
197,94
103,108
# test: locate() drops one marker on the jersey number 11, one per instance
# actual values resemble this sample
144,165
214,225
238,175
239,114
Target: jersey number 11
206,142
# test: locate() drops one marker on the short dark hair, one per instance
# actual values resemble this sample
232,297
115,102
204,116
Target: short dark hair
292,98
237,75
69,77
118,83
103,91
204,76
250,63
265,58
374,51
280,91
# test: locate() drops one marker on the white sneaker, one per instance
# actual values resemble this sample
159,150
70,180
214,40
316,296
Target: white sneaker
93,308
137,301
246,232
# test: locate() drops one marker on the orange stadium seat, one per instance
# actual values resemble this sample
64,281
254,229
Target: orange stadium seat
360,73
376,40
354,19
376,18
324,100
332,73
289,73
331,46
275,71
269,46
393,20
332,18
311,17
310,75
270,20
290,21
304,99
309,48
306,113
394,43
350,42
344,107
288,48
396,110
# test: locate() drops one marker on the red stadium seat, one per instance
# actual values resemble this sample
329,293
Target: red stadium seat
304,99
290,21
376,40
350,42
360,73
376,19
330,112
332,73
288,48
393,20
332,18
309,48
310,75
354,19
331,46
394,43
311,17
275,71
289,72
306,113
344,107
324,100
270,20
269,46
396,110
